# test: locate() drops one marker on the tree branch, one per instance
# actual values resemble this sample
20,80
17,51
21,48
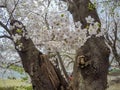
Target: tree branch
70,63
5,36
109,42
5,27
12,12
2,6
68,56
8,66
13,63
62,66
115,34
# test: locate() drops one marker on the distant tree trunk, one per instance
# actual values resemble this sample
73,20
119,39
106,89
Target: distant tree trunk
92,59
44,76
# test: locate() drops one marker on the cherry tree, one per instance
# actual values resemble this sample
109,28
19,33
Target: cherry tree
39,29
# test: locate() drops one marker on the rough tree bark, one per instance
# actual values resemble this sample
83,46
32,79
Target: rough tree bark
44,76
92,59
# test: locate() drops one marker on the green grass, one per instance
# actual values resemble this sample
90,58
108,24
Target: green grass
9,84
114,72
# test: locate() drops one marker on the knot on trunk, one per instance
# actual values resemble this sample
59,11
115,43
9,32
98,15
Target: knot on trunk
81,61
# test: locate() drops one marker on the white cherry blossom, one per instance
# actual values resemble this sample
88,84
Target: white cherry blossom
89,19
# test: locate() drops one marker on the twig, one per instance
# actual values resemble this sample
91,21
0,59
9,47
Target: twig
13,63
12,12
67,56
9,66
70,63
115,34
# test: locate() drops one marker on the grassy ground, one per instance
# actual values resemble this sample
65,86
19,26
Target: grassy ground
9,84
114,87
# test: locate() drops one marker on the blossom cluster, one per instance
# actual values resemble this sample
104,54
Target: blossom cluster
61,37
63,34
18,31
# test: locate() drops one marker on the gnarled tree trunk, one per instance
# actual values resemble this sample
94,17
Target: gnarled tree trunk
92,59
44,76
92,74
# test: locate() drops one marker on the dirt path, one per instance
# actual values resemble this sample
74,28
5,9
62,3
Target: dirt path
114,81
